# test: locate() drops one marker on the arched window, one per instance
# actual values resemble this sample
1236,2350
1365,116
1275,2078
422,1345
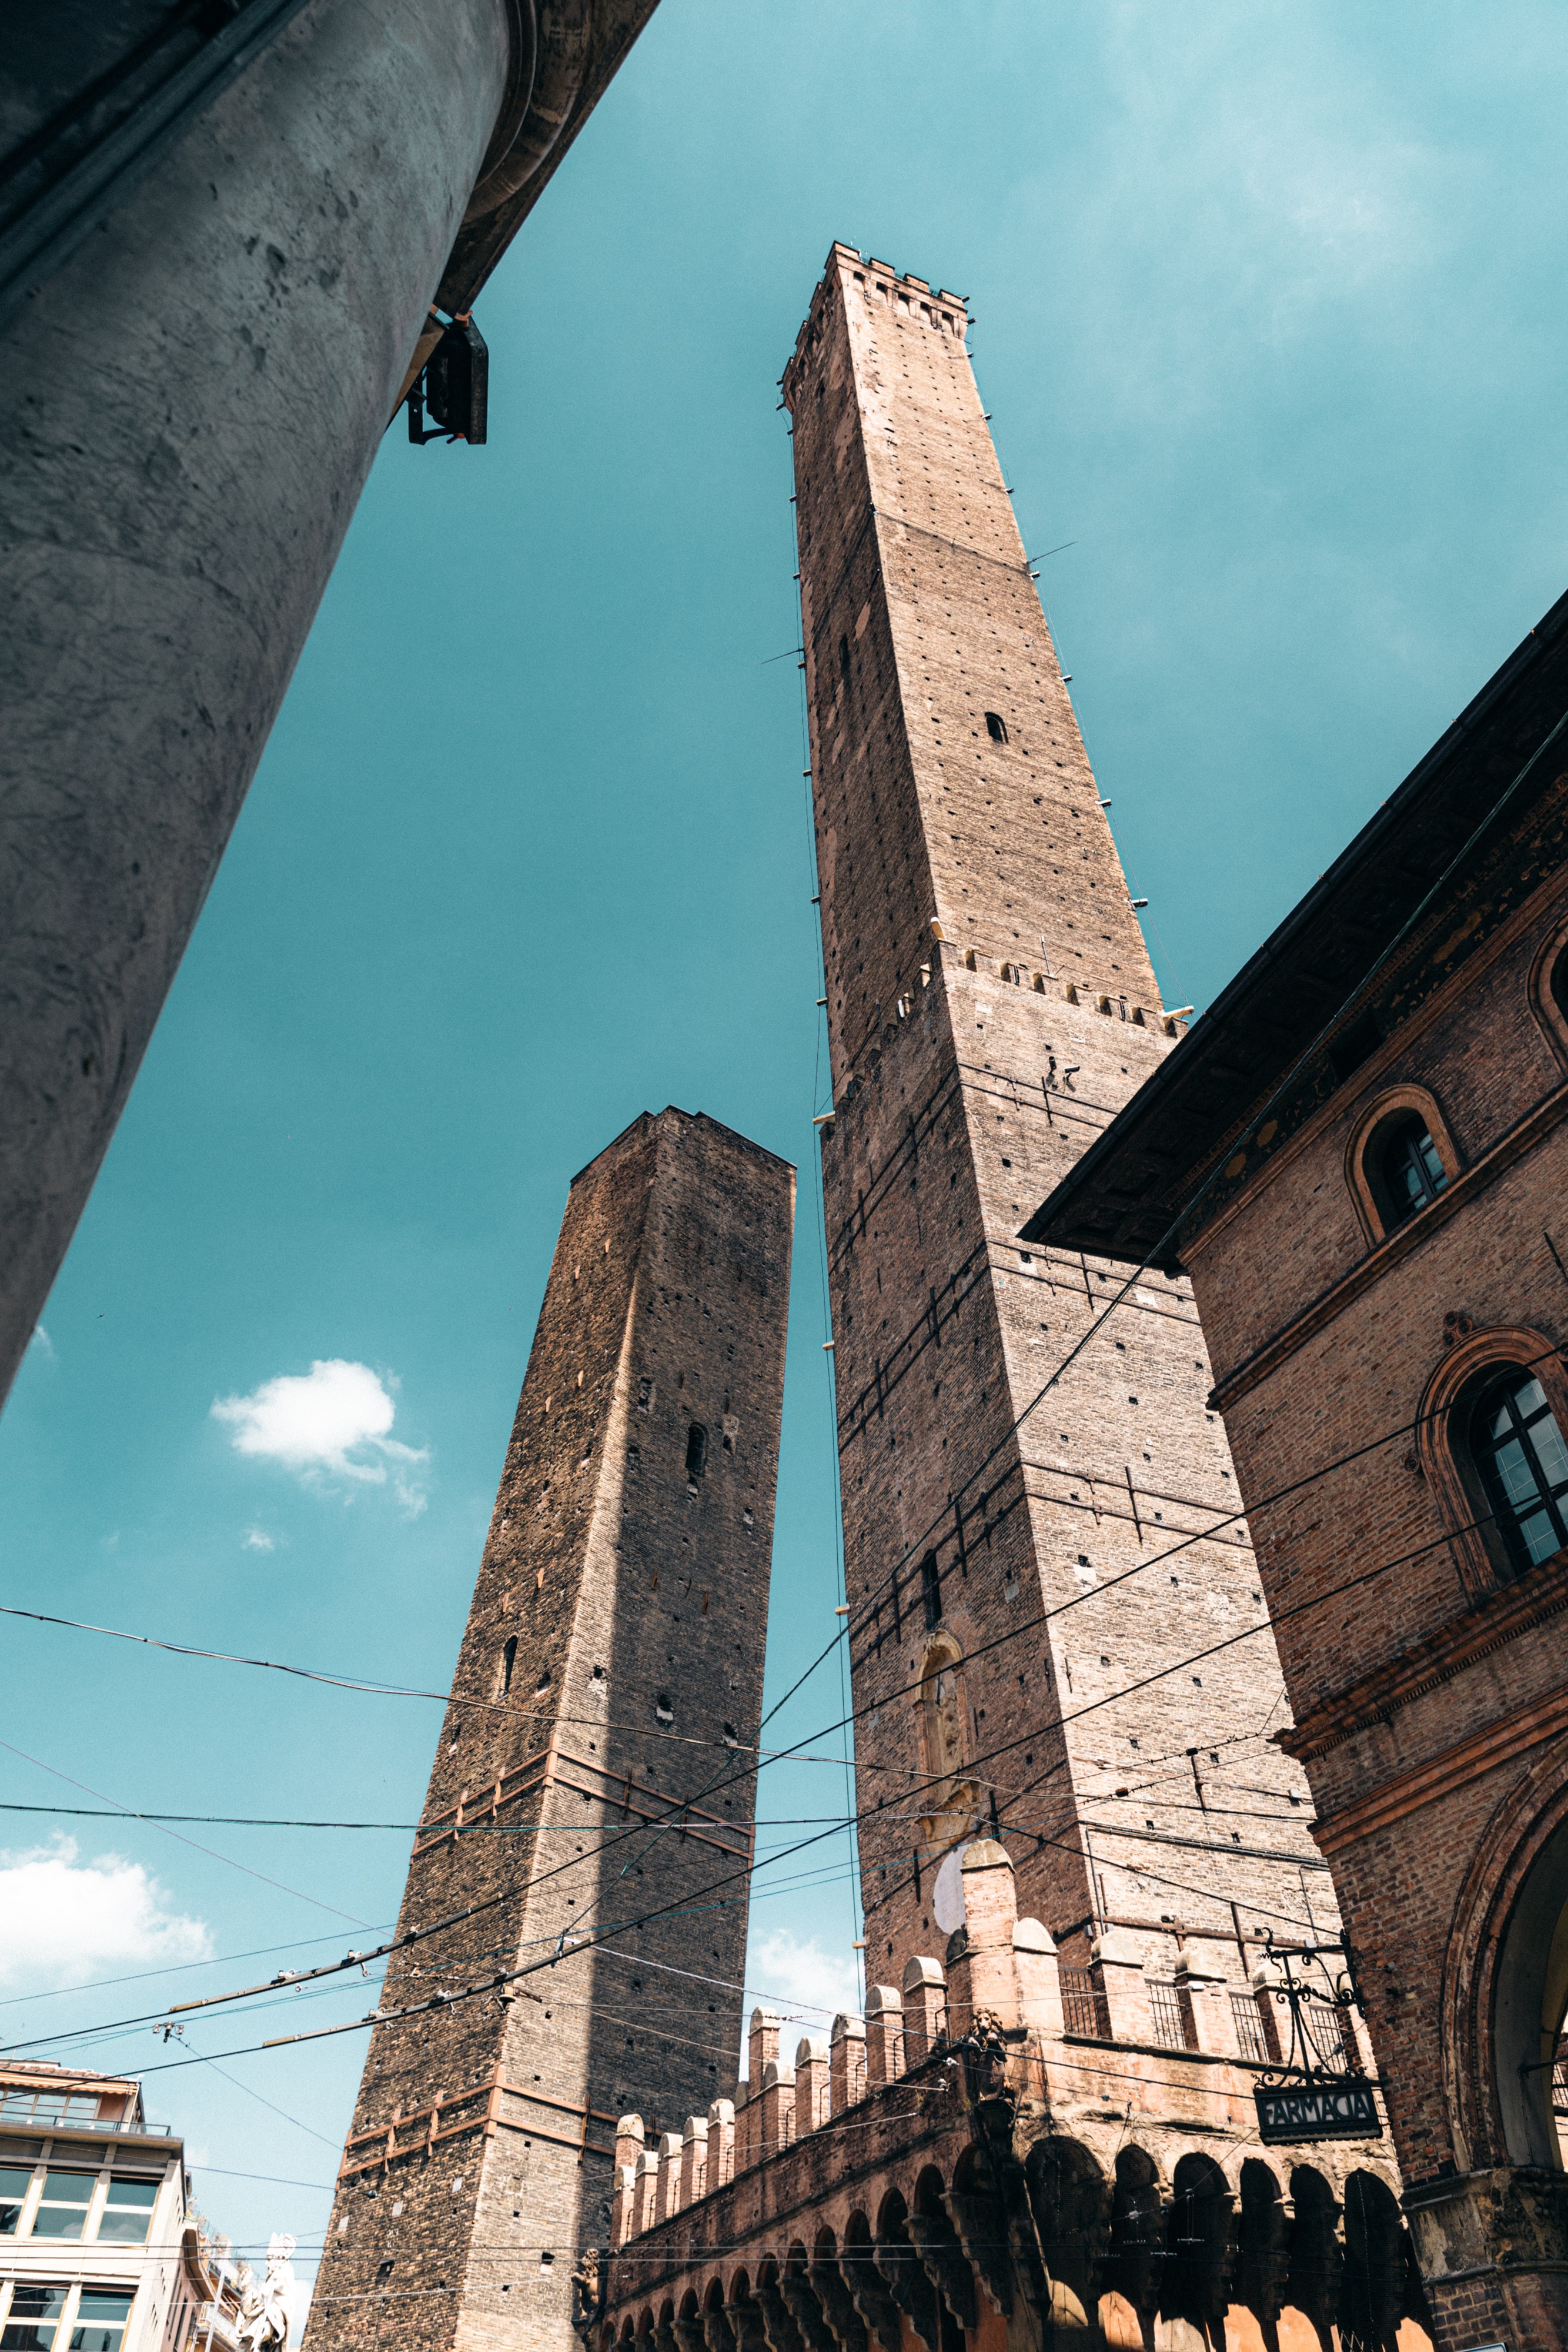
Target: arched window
696,1450
1406,1168
996,726
1519,1451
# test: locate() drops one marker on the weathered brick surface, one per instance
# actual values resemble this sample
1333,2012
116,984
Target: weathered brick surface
1430,1691
636,1597
990,1006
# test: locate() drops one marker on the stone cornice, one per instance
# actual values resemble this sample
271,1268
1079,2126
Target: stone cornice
1437,1658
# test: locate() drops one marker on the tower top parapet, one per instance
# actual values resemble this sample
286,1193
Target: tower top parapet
883,283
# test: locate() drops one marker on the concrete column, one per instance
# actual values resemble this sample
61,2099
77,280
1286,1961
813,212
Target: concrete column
812,2089
198,392
924,2003
846,2061
884,2036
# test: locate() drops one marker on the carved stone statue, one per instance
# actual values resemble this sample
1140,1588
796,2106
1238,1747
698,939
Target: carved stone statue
264,2303
585,2289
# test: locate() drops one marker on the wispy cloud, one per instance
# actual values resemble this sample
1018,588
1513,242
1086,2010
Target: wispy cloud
42,1341
332,1422
806,1983
257,1539
63,1919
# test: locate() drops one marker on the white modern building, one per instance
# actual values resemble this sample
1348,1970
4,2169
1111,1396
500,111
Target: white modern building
92,2218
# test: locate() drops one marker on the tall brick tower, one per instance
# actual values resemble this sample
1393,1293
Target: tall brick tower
990,1006
587,1771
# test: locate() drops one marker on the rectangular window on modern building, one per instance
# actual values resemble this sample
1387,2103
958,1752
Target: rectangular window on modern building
34,2318
63,2207
101,2321
128,2212
16,2179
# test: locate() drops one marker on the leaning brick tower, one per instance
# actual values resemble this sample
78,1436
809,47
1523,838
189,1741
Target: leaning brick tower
586,1771
991,1006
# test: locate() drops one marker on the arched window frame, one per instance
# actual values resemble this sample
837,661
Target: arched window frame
1543,1000
1359,1155
1442,1442
948,1800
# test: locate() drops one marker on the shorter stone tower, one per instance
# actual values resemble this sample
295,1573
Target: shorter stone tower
594,1766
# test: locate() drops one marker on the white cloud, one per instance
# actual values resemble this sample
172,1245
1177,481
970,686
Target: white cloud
807,1984
331,1421
63,1920
257,1539
42,1341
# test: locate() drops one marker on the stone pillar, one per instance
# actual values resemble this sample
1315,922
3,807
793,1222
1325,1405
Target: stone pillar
846,2061
669,2198
694,2161
1039,1977
647,2207
1118,1970
628,2140
884,2036
925,2008
720,2144
762,2042
775,2110
980,1953
1206,2001
812,2090
623,2204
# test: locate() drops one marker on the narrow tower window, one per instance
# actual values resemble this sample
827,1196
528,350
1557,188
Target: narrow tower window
696,1450
996,726
1520,1452
509,1660
844,661
931,1591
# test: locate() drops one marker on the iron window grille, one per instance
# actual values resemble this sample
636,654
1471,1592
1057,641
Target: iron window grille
1084,2006
1248,2028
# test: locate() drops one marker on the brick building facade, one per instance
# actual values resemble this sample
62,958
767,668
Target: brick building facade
1063,1677
1361,1155
588,1771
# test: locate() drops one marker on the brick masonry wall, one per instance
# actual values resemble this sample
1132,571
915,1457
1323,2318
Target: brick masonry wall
1493,1056
636,1597
975,921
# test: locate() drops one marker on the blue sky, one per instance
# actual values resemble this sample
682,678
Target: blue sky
1269,316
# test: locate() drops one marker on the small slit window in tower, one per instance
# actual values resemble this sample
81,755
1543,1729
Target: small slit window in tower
844,661
509,1660
696,1450
996,726
931,1590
